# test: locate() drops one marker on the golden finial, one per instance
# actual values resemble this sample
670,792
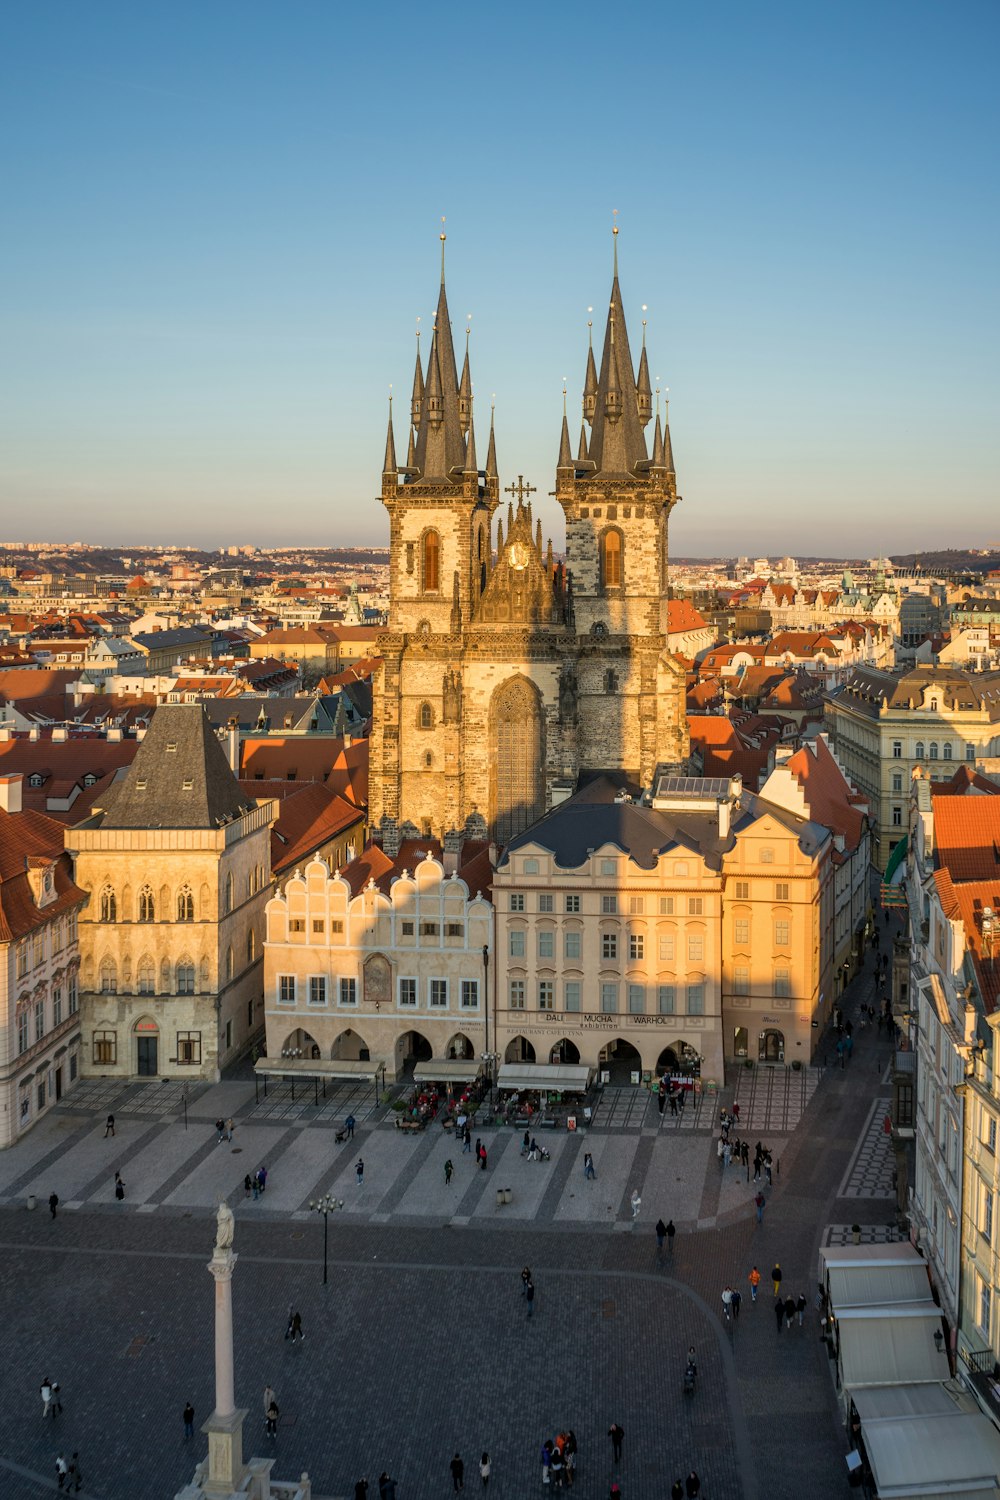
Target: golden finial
644,327
443,238
614,231
564,395
590,326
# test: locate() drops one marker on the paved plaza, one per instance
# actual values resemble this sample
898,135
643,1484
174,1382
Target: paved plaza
419,1344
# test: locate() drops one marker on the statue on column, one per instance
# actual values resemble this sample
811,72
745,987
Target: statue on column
567,695
226,1227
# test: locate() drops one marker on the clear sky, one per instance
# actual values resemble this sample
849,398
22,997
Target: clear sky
220,224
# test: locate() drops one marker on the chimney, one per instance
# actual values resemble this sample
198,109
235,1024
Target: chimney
233,749
113,736
59,734
452,848
10,792
725,807
34,733
6,733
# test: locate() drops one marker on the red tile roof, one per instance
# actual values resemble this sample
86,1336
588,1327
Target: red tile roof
27,838
829,796
309,817
966,781
682,616
967,837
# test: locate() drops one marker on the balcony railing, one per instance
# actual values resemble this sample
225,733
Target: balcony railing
984,1373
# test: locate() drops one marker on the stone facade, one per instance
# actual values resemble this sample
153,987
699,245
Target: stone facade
369,975
505,674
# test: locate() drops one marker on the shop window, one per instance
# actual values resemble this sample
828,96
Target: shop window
189,1048
106,1048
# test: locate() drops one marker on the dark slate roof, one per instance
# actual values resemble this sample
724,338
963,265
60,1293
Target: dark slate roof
182,635
180,777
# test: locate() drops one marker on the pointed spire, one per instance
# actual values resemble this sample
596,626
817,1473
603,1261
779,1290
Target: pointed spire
411,451
668,451
658,457
510,515
491,452
538,537
617,445
390,466
418,388
582,454
590,380
465,388
612,390
643,390
499,535
432,390
471,467
440,448
549,559
565,460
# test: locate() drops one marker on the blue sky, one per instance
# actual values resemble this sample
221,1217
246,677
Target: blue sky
221,221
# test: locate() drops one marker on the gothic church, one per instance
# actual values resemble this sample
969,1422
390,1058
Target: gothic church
507,674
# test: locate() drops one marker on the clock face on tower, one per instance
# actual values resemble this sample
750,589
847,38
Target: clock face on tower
517,555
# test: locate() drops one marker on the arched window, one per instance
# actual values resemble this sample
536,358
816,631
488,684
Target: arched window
185,977
428,760
147,905
611,559
145,976
109,907
185,904
517,760
425,717
251,946
919,752
947,751
229,891
431,559
109,977
932,753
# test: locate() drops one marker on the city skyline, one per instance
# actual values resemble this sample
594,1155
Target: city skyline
222,237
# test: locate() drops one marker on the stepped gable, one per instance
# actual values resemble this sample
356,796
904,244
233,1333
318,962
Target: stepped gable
180,777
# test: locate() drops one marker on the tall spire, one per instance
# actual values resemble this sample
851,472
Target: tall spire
491,452
668,451
565,460
465,388
590,380
582,454
390,466
418,387
617,444
440,453
658,455
643,390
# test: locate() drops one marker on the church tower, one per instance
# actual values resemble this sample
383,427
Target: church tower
506,674
617,499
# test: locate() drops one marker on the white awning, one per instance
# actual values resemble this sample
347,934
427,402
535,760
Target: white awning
886,1345
923,1442
877,1285
571,1078
319,1067
447,1070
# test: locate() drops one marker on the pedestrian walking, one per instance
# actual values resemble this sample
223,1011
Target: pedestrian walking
386,1487
482,1158
294,1328
661,1234
360,1172
361,1489
692,1486
754,1280
673,1103
525,1278
230,1130
485,1469
779,1312
736,1303
53,1203
617,1435
529,1293
448,1169
800,1308
74,1479
636,1203
62,1468
767,1168
272,1415
546,1458
247,1185
556,1468
349,1125
759,1202
727,1301
262,1178
268,1398
736,1113
467,1141
671,1231
776,1276
457,1473
188,1415
570,1452
45,1391
119,1187
789,1309
109,1128
677,1490
220,1130
479,1147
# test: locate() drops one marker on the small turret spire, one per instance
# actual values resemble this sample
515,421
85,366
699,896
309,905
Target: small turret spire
465,387
658,455
590,380
668,452
582,454
499,535
418,386
471,467
390,466
491,452
538,536
643,393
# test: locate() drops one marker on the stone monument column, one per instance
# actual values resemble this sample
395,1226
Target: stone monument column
224,1428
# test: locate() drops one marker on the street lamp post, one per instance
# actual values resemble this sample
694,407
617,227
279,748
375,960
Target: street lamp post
325,1206
292,1052
488,1054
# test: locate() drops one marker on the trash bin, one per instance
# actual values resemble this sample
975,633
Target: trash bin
500,1198
507,1195
32,1201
